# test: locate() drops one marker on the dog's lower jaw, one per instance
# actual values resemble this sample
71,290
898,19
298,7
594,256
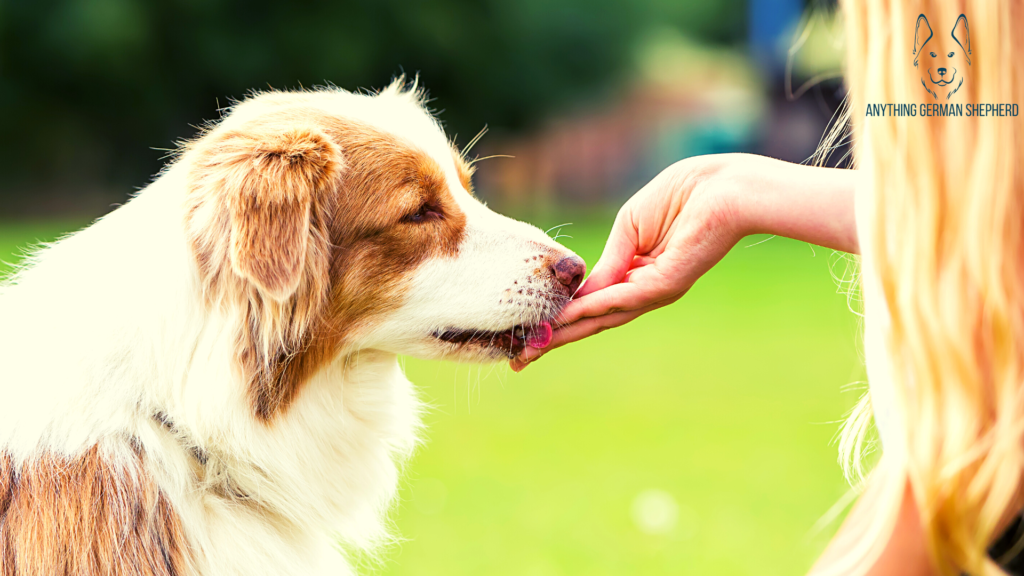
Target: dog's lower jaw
954,91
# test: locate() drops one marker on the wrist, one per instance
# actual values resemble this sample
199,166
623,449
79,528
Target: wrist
806,203
721,183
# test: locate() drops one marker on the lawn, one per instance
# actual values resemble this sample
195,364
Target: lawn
696,440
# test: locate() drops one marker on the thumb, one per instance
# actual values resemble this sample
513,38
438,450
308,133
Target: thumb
616,258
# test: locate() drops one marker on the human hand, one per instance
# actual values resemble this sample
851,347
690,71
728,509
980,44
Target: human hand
685,220
664,238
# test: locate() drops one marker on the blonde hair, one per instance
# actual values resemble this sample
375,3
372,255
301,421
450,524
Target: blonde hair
945,222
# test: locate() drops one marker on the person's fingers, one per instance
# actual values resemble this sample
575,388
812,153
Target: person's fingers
588,327
518,363
639,261
578,331
614,298
572,333
616,258
641,287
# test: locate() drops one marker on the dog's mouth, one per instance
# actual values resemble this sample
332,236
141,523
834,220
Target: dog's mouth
510,342
942,80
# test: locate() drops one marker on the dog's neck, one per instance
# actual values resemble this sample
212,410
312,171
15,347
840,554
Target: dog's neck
354,419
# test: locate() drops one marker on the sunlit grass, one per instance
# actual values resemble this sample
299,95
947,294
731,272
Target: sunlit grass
694,441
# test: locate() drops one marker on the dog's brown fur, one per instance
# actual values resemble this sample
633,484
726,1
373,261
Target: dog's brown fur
84,516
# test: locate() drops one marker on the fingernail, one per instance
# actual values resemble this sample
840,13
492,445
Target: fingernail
529,354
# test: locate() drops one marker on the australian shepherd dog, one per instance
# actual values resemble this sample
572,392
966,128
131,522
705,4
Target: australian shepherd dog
205,381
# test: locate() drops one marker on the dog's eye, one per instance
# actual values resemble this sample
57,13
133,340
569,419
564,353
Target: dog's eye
933,54
950,54
425,213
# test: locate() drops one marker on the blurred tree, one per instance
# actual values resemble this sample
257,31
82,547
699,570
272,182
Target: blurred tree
87,86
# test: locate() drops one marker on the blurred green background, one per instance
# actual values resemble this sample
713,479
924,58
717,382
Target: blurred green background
695,440
592,97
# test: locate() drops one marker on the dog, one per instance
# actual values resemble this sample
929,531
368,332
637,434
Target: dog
205,381
943,63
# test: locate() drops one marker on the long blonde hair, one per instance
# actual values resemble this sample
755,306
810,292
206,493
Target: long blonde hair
945,221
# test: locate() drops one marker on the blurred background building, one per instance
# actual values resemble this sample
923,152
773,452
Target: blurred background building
590,97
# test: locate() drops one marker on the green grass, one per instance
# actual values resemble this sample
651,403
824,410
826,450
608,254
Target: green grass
725,404
16,237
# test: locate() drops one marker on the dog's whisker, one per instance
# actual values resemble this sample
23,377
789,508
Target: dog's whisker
559,226
475,160
475,139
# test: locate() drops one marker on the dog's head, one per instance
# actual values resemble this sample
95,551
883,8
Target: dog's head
943,62
333,222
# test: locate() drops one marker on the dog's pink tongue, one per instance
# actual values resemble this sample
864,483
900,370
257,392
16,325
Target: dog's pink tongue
539,336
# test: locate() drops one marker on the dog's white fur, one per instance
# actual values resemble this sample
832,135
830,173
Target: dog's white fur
108,326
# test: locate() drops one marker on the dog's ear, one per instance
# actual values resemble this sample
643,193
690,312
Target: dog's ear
922,34
272,182
271,209
257,216
962,35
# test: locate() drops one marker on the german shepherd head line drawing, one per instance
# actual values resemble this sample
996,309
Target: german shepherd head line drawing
942,62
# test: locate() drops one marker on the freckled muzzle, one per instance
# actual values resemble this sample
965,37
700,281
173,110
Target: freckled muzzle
567,273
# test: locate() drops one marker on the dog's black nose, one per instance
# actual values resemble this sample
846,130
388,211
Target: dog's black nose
942,71
569,271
